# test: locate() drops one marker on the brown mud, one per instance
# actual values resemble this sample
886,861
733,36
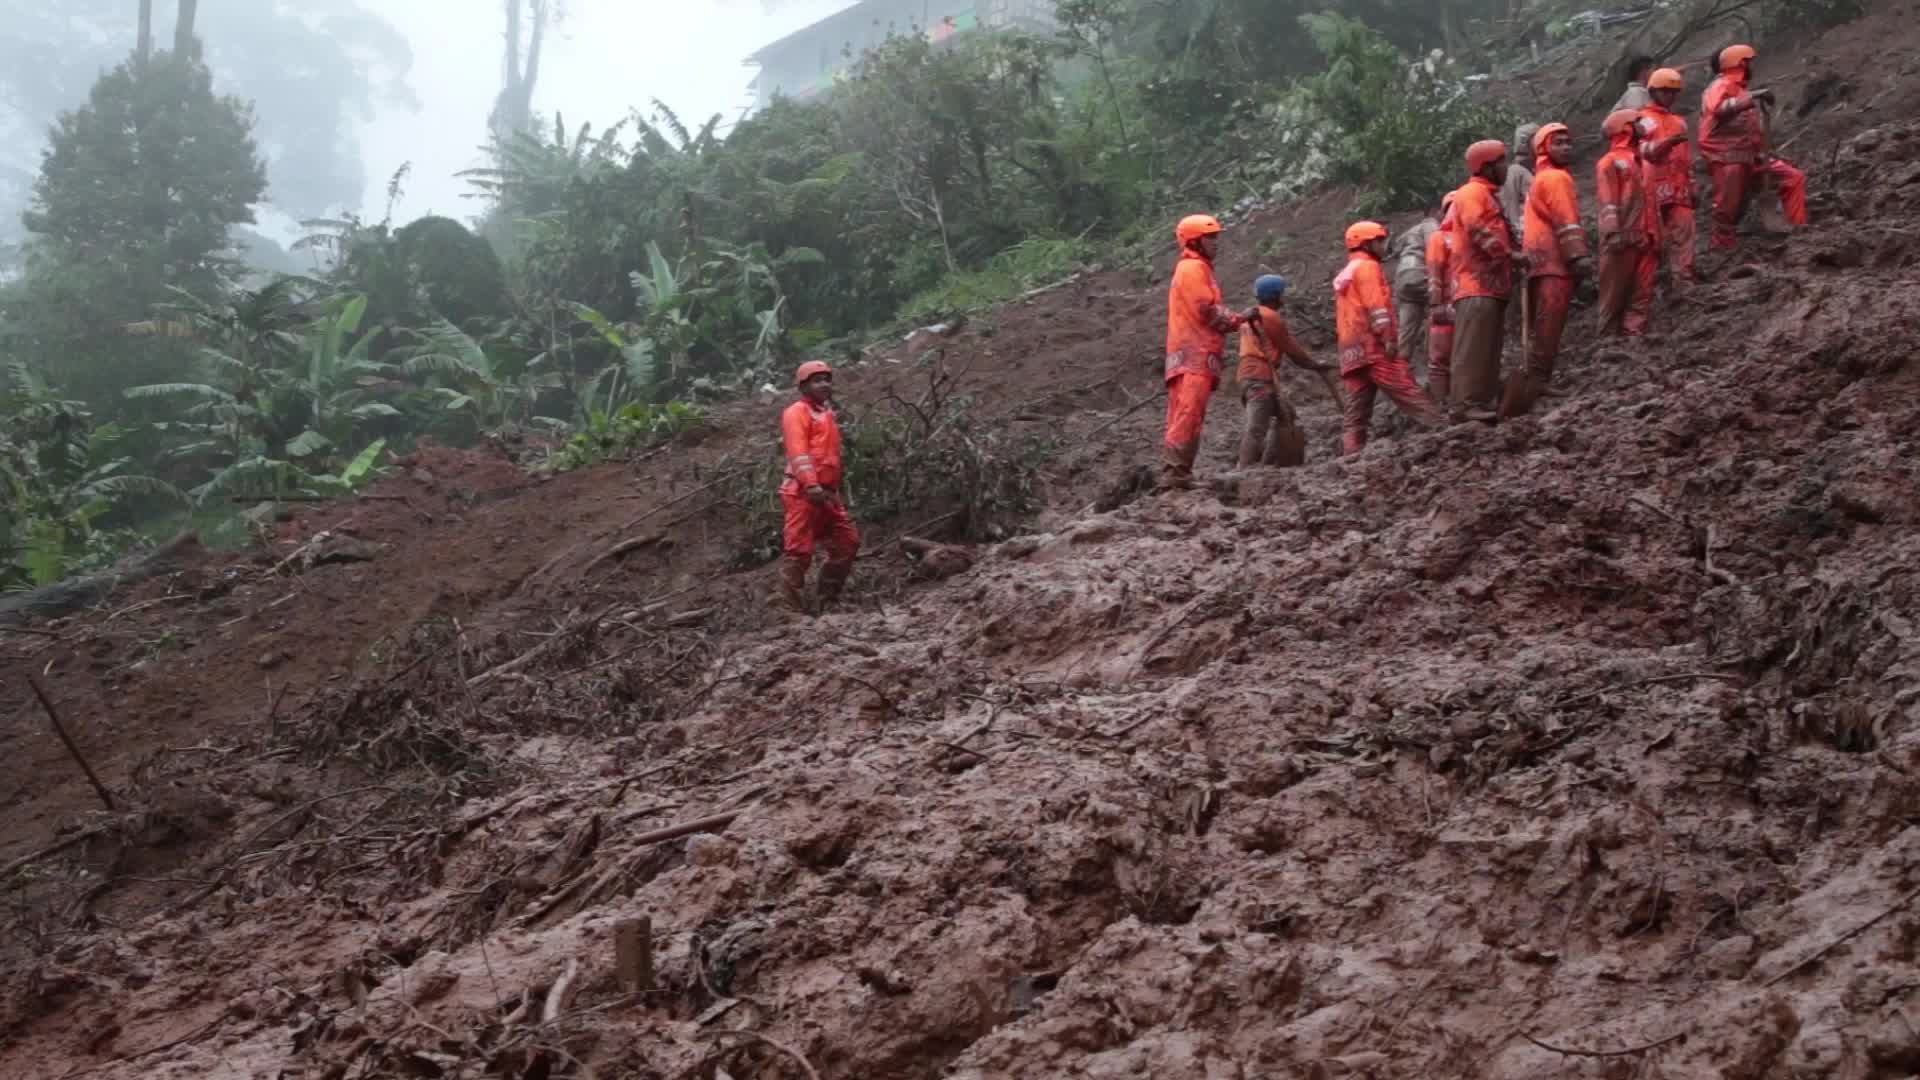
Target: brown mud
1584,746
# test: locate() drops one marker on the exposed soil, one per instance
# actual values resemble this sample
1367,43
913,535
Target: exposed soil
1585,746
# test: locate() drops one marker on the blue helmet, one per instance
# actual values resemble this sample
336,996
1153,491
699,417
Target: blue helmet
1269,288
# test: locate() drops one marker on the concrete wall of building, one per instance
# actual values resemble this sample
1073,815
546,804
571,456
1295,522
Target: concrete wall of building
808,62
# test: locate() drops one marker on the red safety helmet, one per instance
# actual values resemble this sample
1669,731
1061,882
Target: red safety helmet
1666,79
1619,122
1361,233
1484,153
1195,226
1545,135
1733,56
809,369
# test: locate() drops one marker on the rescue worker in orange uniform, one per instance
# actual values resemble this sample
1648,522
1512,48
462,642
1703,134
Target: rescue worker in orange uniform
1370,360
1733,139
1197,326
1669,165
1629,231
1440,307
1482,264
815,512
1557,258
1263,341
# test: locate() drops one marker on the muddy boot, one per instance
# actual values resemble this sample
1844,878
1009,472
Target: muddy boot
793,584
1258,417
833,581
1175,477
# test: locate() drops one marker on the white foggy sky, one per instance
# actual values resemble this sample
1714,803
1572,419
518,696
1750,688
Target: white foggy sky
607,57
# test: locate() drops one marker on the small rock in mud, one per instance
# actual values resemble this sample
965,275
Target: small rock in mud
706,849
1729,959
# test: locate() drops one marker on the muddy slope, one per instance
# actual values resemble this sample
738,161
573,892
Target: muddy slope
1582,747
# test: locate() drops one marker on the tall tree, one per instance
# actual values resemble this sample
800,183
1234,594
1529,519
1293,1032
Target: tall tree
183,29
513,109
144,47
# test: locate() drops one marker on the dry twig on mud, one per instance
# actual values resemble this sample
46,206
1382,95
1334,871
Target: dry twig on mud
1846,937
1627,1052
60,729
1681,677
798,1058
55,848
526,658
1129,411
226,871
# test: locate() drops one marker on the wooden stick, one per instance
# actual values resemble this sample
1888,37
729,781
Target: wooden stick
798,1058
686,828
633,954
1846,937
1682,677
1134,408
61,730
1628,1052
54,848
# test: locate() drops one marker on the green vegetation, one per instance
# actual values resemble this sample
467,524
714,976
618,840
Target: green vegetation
619,277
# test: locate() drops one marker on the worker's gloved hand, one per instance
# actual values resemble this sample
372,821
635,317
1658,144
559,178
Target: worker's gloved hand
1251,315
818,495
1764,94
1580,266
1443,315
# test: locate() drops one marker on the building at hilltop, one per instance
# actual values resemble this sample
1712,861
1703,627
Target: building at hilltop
807,61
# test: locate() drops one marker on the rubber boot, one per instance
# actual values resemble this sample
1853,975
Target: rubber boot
1439,388
833,580
1253,437
793,584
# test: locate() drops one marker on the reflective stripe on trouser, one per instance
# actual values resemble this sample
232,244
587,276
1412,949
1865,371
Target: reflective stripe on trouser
1413,327
1677,229
1187,395
808,525
1272,434
1733,183
1363,384
1626,289
1479,335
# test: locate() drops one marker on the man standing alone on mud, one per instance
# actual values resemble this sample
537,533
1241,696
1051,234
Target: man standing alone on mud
815,512
1733,139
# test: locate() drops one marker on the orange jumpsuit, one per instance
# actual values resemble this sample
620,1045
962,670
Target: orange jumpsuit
1554,239
1733,139
1629,240
1197,325
1482,265
1369,351
812,437
1440,310
1262,344
1670,177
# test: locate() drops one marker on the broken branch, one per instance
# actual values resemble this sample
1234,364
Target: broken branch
61,730
1628,1052
1846,937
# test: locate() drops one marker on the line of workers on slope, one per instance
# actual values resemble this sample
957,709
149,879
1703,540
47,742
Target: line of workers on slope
1454,279
1457,272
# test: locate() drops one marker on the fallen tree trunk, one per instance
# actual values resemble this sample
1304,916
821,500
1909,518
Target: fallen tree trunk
69,596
